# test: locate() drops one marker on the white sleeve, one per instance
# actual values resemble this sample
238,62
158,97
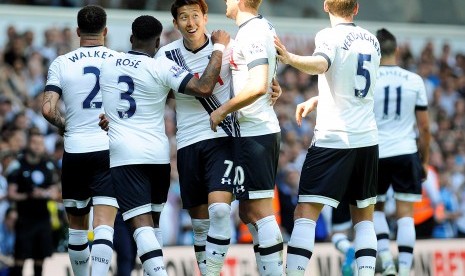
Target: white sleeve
172,75
255,51
54,77
324,46
422,99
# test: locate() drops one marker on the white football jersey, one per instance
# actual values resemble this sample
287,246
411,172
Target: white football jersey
398,94
253,46
345,117
193,113
75,76
134,88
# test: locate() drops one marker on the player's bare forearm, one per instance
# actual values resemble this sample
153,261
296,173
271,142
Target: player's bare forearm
50,111
422,119
312,65
423,146
204,86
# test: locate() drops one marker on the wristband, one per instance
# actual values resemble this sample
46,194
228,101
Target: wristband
218,46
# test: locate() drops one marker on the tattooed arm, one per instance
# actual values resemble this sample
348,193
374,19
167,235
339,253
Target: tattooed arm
204,86
50,110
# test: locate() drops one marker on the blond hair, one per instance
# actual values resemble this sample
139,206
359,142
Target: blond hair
342,8
254,4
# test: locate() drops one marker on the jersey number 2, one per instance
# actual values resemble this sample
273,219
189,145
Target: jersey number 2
88,103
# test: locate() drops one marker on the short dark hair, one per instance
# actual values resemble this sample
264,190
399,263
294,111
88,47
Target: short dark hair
146,27
387,42
181,3
92,19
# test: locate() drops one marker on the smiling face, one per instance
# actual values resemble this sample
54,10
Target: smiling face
191,23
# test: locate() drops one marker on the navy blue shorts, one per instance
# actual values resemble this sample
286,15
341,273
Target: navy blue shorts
141,188
329,175
256,161
85,176
205,167
403,172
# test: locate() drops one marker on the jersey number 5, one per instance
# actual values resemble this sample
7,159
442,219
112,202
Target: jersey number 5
362,71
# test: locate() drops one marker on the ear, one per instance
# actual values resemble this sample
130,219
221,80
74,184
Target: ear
78,32
105,31
175,24
325,7
205,17
356,9
157,43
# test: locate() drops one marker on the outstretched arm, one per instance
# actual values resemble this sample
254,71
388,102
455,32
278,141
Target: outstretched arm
312,65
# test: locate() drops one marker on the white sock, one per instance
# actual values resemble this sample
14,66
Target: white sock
254,233
149,251
200,228
341,242
300,246
270,245
382,235
78,251
405,242
159,236
219,236
365,248
102,250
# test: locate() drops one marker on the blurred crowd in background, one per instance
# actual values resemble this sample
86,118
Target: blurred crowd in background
412,11
23,70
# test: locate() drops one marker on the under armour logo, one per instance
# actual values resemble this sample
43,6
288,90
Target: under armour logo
216,253
223,181
240,189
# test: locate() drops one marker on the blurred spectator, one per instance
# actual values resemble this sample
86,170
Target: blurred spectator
7,241
31,184
431,208
447,228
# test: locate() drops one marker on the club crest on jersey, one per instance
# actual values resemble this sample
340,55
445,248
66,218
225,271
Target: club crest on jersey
177,71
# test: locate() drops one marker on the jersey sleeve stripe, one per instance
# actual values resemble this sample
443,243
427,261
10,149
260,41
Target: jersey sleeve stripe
325,56
53,88
421,108
257,62
184,82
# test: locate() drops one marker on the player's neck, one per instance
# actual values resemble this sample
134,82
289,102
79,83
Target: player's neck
91,41
388,61
335,20
193,45
243,16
